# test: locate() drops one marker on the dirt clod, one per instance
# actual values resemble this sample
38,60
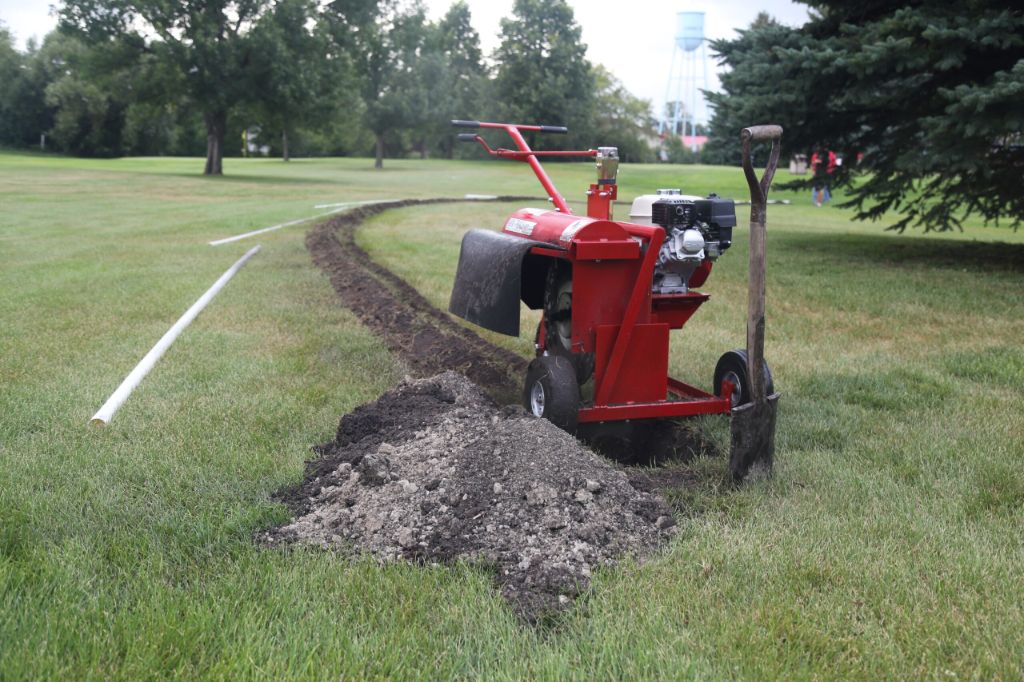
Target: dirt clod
434,471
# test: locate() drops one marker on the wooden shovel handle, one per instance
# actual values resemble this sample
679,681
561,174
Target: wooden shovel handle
759,133
759,188
758,216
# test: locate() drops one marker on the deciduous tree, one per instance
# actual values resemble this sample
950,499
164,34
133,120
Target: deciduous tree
24,113
543,75
206,40
297,79
621,119
385,51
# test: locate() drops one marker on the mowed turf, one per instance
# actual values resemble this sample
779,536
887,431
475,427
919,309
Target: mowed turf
888,544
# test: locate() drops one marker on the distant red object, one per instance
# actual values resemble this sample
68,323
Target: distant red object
817,160
698,141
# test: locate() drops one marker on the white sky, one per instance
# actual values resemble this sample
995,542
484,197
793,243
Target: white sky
633,39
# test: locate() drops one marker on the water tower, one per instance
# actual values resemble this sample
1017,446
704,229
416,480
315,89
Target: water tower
687,76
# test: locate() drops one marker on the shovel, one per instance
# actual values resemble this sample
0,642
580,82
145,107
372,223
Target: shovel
753,424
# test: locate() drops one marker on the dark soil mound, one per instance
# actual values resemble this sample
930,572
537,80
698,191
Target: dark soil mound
433,471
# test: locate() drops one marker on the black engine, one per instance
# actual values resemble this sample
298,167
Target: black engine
714,217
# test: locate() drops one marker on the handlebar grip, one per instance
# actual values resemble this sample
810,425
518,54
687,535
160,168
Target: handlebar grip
759,133
560,130
467,137
465,124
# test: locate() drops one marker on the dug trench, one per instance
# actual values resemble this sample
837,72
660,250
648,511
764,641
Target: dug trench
447,467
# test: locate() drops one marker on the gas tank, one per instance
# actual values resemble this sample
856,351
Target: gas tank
563,230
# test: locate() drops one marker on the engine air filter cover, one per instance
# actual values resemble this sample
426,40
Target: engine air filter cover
674,211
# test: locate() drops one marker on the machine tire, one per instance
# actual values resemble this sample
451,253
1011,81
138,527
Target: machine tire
733,366
552,392
557,290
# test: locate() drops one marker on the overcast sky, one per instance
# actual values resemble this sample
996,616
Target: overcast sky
633,39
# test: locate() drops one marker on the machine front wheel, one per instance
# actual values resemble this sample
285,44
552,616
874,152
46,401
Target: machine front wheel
732,366
552,392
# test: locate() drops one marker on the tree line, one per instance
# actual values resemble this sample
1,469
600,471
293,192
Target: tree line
921,98
347,77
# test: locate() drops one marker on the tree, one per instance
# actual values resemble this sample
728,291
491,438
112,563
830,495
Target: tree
620,119
543,75
90,90
756,89
385,50
11,65
206,41
928,92
296,79
470,83
24,113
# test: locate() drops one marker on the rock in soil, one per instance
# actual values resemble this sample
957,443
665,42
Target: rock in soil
434,472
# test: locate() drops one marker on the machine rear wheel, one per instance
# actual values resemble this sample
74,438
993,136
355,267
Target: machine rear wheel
732,366
552,392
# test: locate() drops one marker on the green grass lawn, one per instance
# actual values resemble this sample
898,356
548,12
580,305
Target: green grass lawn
889,544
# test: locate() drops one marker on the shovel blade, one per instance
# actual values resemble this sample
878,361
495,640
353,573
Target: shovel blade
753,437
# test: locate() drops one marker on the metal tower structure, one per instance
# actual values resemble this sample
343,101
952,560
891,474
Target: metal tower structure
687,76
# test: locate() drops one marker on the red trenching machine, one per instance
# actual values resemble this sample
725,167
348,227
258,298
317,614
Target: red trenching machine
610,292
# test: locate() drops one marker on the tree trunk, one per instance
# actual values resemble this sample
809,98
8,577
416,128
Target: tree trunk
216,125
284,146
379,161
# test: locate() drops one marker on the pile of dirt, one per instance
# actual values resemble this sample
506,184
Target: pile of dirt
434,471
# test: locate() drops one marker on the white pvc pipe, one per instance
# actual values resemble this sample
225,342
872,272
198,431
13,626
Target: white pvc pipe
341,207
228,240
117,398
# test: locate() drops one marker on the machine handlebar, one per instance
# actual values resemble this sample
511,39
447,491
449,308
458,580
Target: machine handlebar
523,152
558,130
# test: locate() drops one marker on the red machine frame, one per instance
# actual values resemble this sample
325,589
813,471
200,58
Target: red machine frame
629,339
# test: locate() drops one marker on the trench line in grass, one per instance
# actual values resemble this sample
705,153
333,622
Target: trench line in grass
345,204
117,398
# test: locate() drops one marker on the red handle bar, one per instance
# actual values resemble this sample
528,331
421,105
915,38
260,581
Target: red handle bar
561,130
524,153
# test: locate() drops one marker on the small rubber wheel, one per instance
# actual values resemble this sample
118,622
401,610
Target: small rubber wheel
732,366
551,391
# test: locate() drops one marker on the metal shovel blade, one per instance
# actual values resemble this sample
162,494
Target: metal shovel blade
753,437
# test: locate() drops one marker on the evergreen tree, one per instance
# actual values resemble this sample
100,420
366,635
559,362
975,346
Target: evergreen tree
928,92
756,88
